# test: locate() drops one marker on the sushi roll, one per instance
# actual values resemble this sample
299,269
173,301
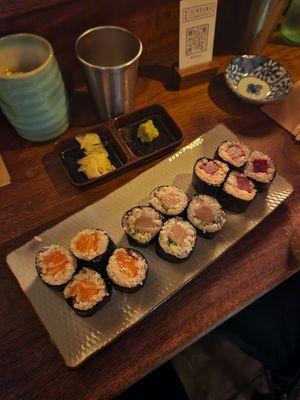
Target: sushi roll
209,175
55,266
261,169
87,292
169,200
176,240
238,192
141,225
92,248
127,269
206,215
234,153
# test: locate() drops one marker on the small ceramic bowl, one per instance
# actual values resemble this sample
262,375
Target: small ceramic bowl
257,79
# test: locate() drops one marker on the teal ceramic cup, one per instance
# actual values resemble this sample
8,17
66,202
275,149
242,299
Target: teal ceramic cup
32,93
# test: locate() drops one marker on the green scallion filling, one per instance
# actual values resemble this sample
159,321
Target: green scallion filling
171,243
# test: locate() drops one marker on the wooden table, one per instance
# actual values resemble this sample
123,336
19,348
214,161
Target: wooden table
40,195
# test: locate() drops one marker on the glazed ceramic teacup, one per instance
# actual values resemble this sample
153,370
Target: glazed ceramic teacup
32,92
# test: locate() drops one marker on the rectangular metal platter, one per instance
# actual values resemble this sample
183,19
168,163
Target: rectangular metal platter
78,338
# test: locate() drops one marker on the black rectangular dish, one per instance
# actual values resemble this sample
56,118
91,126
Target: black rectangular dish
119,137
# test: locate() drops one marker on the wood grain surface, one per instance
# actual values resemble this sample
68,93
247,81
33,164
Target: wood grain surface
155,22
40,195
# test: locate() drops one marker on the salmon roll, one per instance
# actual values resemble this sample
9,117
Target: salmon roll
238,192
127,269
169,200
206,215
177,240
141,225
87,292
55,266
234,153
92,248
209,176
261,169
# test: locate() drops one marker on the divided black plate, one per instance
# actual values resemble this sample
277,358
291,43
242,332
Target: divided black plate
125,149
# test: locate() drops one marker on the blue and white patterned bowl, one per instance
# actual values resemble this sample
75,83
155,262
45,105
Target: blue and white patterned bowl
257,79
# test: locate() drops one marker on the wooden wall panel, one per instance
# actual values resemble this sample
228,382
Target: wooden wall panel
154,23
61,21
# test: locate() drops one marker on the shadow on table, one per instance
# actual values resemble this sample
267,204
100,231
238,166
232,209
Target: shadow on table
254,119
224,99
159,72
154,384
82,108
58,177
10,139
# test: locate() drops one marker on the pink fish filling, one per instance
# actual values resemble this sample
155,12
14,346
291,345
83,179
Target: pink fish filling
178,234
169,199
210,168
235,151
260,165
244,184
205,214
145,224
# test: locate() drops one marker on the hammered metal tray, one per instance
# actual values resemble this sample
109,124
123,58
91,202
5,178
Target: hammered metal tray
78,338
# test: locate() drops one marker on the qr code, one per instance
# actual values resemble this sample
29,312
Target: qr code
196,39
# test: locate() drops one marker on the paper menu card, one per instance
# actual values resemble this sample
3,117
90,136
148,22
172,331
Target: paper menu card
196,31
4,176
285,111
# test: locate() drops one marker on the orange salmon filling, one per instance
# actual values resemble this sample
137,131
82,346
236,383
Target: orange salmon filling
55,262
87,242
84,290
127,263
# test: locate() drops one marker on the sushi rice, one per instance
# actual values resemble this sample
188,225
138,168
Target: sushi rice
127,268
234,153
260,167
147,233
215,218
55,258
97,286
168,242
215,178
89,243
168,200
233,188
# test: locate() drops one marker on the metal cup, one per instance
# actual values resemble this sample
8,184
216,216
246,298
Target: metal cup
109,56
256,19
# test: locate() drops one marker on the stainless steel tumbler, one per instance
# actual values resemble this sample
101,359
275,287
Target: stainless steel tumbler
109,56
256,20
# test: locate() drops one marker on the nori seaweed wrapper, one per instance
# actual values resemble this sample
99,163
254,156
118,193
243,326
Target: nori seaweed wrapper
263,186
58,288
203,187
134,288
232,203
170,257
217,156
167,216
205,235
100,304
131,240
98,263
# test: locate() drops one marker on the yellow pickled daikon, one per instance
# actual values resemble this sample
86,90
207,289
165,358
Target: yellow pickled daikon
95,163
